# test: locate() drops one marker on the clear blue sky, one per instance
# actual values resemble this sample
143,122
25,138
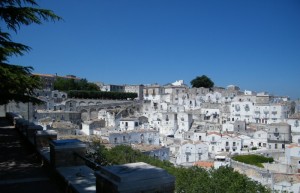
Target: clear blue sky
254,44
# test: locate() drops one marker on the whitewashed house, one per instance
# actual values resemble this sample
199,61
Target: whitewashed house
295,124
108,117
184,121
247,141
292,155
242,111
210,114
169,123
231,143
270,113
153,92
199,136
227,127
129,124
191,152
214,141
260,139
279,134
92,127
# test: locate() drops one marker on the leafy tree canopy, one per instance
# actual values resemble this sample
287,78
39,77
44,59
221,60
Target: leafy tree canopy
17,82
202,81
192,180
64,84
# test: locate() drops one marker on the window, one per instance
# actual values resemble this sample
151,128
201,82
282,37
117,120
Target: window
116,140
233,144
199,138
124,139
213,138
227,143
283,146
276,146
199,156
142,138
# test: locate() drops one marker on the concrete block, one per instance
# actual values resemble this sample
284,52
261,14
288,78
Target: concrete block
134,178
32,129
42,138
62,152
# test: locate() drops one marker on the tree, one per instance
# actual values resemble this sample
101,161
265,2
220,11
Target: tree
17,82
192,180
64,84
202,81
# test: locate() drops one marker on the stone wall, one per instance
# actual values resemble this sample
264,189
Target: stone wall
261,175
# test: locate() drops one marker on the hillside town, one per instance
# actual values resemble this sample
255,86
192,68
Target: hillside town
186,126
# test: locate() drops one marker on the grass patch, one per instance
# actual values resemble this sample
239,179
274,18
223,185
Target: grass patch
255,160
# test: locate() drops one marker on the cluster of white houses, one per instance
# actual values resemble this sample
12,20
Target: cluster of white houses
200,123
194,123
186,125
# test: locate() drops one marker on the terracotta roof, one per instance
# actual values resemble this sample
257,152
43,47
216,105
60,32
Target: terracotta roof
293,145
204,164
216,133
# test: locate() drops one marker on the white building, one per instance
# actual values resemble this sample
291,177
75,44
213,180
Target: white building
270,113
191,152
242,111
135,89
214,140
92,127
129,124
260,139
292,155
231,143
279,134
108,116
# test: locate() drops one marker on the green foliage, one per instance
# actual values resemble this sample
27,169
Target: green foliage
101,95
191,180
14,80
202,81
67,84
17,82
256,160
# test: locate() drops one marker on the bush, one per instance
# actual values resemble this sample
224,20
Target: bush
255,160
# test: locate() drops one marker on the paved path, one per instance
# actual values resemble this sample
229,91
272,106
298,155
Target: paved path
20,168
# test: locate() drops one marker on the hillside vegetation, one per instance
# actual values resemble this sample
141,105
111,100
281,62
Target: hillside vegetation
188,180
255,160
